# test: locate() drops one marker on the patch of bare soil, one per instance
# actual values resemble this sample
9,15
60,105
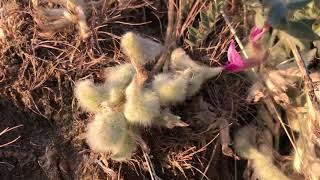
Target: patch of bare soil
20,159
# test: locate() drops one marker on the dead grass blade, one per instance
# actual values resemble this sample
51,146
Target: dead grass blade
6,130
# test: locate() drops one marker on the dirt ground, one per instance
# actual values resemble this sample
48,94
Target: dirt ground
36,91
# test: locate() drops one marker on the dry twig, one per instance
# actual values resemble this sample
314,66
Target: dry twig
225,139
7,130
307,80
170,38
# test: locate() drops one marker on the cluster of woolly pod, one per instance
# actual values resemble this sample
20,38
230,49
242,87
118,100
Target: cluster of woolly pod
130,98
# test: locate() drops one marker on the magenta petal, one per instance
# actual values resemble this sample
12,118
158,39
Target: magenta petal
235,61
232,68
256,34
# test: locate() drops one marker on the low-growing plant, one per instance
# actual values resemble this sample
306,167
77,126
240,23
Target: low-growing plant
208,18
131,98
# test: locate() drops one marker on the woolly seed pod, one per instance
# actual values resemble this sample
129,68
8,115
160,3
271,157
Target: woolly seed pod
181,61
117,79
106,132
89,95
264,167
245,140
197,77
172,88
197,74
142,104
120,75
125,149
140,50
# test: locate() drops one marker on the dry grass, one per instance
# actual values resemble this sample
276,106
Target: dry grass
37,74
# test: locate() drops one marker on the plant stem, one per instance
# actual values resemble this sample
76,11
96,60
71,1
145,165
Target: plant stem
170,38
307,80
234,34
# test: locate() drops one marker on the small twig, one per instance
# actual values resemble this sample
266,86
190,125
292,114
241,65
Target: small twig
234,34
192,13
119,172
233,5
8,164
105,169
225,139
145,149
245,17
307,80
179,19
7,130
275,114
210,161
170,38
2,145
150,167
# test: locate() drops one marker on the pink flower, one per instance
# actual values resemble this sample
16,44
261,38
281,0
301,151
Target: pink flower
256,34
235,62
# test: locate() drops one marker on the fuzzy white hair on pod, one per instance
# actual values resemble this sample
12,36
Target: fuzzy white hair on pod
198,73
106,132
121,74
126,149
89,95
210,72
245,140
181,61
141,50
197,77
264,167
142,104
245,146
117,78
172,88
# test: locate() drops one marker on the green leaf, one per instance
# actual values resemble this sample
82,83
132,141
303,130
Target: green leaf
213,8
212,17
193,39
278,16
308,22
217,5
192,44
301,31
204,19
193,31
296,4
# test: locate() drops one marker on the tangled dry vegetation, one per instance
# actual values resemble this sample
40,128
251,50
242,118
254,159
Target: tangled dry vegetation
61,58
